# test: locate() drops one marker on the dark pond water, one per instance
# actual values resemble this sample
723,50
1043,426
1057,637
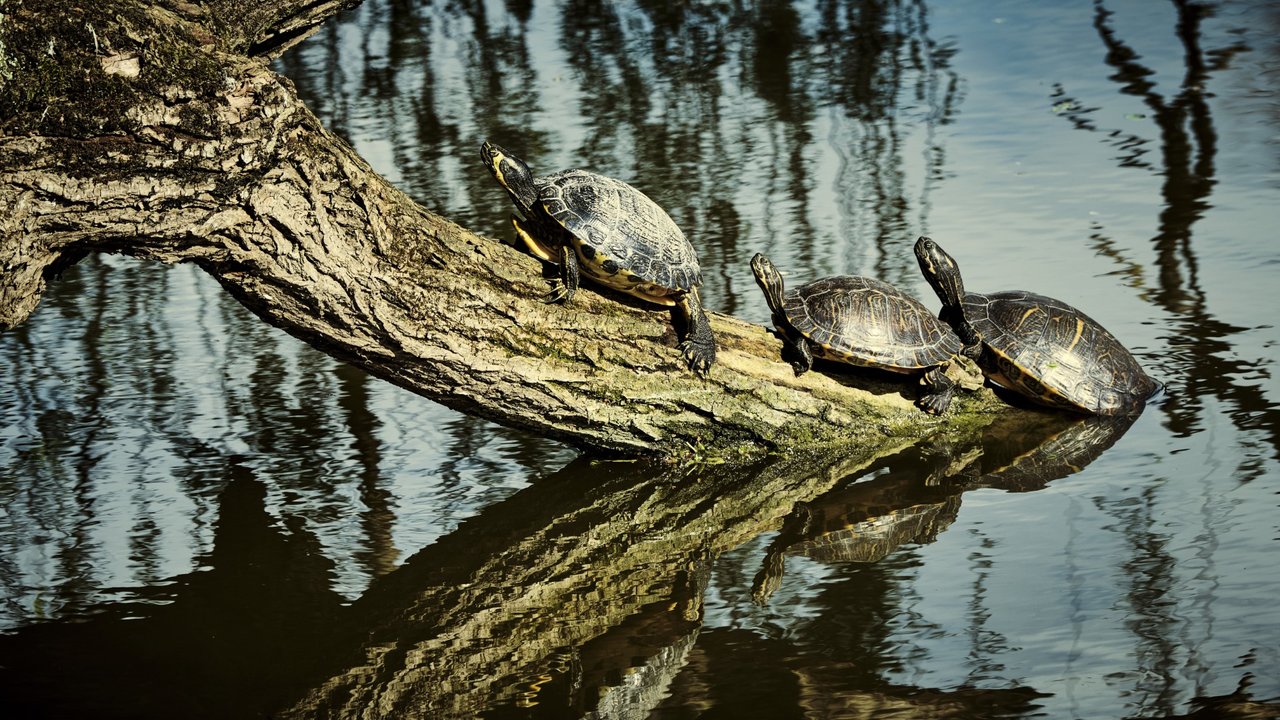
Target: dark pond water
203,517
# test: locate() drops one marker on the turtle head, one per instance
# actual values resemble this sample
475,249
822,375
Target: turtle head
767,276
762,267
770,281
941,271
512,173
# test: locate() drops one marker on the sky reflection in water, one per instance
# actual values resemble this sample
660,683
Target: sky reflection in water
172,460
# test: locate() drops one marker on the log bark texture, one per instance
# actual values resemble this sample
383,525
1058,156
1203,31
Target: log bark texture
158,131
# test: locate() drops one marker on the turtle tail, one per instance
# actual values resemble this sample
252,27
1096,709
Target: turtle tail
770,281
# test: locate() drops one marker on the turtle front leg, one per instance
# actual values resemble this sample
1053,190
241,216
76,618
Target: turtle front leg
699,345
936,391
562,290
796,352
527,235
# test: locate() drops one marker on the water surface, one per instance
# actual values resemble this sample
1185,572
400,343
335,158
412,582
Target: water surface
205,517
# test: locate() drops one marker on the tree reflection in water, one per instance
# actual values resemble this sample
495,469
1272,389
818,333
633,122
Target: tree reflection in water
711,108
160,427
577,593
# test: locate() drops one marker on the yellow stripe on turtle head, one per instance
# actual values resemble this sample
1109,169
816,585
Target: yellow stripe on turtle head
494,155
495,162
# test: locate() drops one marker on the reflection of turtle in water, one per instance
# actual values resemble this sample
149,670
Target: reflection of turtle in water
1022,454
920,494
862,321
1036,346
865,521
614,234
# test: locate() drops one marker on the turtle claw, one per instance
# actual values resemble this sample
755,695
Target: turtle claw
935,404
930,407
559,294
936,392
699,345
698,357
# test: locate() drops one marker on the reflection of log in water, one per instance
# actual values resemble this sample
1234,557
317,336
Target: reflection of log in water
562,580
627,671
571,594
918,493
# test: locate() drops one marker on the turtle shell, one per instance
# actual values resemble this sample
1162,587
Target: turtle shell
1054,354
864,321
623,238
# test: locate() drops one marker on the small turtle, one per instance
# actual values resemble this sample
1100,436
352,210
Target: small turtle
1036,346
615,234
863,321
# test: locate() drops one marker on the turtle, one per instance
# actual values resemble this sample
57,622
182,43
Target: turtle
1040,348
866,322
612,233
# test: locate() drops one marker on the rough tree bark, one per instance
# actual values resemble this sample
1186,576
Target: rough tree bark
157,130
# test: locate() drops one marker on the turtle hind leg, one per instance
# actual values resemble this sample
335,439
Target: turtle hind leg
566,285
699,345
936,391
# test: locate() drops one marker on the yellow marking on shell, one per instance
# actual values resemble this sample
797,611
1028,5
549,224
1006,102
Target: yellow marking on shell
1021,382
1030,311
623,280
1079,332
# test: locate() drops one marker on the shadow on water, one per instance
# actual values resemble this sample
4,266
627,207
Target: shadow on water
580,594
253,617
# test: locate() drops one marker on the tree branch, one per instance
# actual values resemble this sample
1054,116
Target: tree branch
150,133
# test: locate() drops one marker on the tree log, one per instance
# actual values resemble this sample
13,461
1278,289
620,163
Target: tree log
158,131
